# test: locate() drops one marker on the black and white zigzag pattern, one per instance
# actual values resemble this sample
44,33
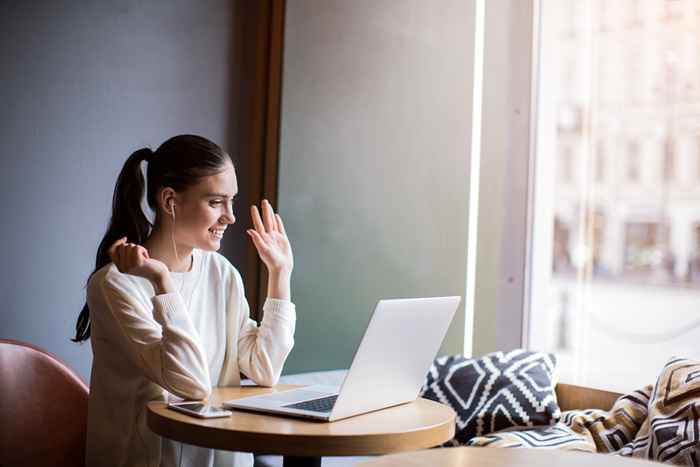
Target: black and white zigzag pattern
557,436
497,391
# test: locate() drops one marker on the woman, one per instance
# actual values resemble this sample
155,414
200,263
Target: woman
167,314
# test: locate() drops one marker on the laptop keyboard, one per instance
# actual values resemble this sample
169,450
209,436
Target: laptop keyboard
324,404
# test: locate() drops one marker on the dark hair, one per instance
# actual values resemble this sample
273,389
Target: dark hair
178,163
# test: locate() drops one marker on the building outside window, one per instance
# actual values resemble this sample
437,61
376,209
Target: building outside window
623,293
633,162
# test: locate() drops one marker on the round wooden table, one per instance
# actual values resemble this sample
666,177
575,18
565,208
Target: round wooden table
407,427
503,457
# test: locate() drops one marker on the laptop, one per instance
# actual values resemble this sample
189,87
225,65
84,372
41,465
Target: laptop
389,367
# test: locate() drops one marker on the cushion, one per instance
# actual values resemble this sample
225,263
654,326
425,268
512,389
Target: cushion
670,433
497,391
558,436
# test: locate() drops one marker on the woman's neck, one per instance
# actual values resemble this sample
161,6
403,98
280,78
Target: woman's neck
160,246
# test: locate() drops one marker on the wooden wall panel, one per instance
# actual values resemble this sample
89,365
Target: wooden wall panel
258,52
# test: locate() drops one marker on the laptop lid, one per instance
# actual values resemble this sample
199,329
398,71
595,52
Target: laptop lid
399,344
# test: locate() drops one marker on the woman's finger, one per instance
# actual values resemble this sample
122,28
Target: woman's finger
119,254
111,252
143,252
124,255
257,222
257,240
128,255
112,249
135,256
280,225
270,225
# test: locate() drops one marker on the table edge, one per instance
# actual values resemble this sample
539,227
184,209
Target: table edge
301,444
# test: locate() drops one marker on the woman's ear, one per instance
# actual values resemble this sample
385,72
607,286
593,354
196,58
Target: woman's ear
167,200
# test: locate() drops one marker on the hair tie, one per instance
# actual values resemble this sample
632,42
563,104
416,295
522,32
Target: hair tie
148,154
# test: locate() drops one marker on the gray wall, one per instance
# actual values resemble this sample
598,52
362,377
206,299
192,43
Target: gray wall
374,163
82,85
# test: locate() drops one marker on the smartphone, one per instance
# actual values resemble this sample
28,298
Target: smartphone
197,409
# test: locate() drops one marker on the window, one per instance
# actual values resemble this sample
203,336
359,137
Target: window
669,158
634,14
600,163
567,164
697,156
694,264
646,248
617,270
672,10
633,162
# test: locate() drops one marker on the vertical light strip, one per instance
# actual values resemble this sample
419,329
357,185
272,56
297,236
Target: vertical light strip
532,169
474,175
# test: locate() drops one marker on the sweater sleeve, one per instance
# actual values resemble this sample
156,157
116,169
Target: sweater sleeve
163,343
262,350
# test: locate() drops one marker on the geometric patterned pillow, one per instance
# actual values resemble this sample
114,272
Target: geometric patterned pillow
671,431
497,391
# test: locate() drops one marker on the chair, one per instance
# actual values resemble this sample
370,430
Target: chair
571,397
43,408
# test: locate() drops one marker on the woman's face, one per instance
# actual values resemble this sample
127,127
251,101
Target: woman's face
204,211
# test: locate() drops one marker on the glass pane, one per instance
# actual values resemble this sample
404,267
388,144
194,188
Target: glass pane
616,237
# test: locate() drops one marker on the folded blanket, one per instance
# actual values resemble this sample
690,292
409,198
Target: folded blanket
671,431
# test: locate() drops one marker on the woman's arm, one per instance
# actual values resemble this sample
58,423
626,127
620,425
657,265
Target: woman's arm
278,285
163,284
163,343
263,350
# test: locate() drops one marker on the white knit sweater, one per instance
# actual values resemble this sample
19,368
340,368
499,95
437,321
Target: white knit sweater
150,347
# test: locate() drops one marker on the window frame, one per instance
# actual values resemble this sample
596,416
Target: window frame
508,140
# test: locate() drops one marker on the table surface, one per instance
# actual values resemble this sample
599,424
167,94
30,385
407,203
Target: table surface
415,425
503,457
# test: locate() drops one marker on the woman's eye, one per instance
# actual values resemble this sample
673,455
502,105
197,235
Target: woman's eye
218,201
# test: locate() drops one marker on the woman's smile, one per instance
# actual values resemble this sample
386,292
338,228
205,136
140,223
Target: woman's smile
217,233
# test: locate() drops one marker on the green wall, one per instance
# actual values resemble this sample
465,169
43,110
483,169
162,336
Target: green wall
374,164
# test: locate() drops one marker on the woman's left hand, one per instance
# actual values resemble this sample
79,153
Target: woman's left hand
270,239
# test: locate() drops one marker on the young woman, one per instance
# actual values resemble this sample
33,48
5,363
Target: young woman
167,314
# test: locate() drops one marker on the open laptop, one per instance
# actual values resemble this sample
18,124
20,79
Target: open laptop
388,369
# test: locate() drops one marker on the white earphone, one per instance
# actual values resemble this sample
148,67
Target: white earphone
172,238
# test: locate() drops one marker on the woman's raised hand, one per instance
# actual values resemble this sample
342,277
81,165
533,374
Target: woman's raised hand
270,239
131,258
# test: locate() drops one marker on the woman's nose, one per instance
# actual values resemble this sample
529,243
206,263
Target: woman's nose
229,218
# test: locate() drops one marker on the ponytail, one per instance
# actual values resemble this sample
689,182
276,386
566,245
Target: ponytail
127,220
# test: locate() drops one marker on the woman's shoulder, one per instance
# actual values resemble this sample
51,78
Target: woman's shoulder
110,277
102,275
